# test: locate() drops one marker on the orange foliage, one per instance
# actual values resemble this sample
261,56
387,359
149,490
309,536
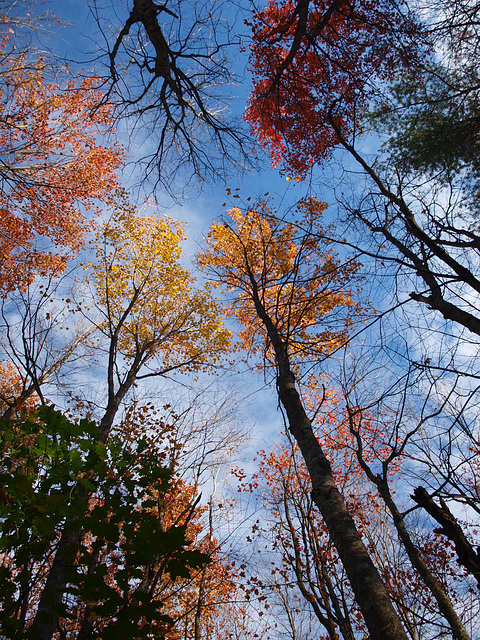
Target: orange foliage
290,271
53,167
12,388
210,592
207,593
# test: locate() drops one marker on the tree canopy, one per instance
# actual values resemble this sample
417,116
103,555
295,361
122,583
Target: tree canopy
277,438
54,166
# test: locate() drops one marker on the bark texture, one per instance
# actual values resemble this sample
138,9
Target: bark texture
466,554
379,614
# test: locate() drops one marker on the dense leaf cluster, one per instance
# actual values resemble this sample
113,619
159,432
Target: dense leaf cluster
57,478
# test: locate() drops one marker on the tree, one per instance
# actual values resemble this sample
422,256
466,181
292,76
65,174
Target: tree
152,319
316,61
300,557
300,280
285,284
135,568
39,345
432,125
420,225
53,166
429,123
388,449
148,320
434,246
167,72
133,302
428,181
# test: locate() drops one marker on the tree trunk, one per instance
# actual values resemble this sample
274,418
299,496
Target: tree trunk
371,595
444,603
50,603
466,554
377,609
46,618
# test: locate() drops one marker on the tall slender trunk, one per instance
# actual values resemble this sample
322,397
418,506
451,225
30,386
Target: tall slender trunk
50,603
48,612
444,603
371,595
377,609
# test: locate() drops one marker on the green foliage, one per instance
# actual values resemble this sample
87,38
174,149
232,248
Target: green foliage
56,478
434,127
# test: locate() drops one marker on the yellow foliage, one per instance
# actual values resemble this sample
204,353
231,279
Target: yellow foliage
148,301
286,271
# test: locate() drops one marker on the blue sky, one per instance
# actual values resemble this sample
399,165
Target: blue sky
78,40
202,203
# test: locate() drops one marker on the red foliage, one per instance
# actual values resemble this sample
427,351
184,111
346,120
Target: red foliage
297,532
316,60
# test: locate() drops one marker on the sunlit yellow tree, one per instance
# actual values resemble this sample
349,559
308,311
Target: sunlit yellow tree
152,319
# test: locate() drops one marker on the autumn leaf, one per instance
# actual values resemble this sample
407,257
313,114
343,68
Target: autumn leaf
299,281
314,61
54,168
